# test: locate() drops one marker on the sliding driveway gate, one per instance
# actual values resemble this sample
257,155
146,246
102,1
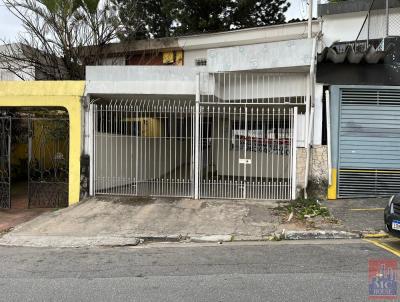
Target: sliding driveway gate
144,147
234,144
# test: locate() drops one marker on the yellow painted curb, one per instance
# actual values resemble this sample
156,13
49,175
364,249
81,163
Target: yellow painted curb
384,246
377,235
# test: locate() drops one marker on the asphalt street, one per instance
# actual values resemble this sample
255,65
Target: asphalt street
330,270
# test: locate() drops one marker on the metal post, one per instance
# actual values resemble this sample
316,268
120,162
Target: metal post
310,16
90,148
328,134
387,18
294,154
368,25
308,151
197,139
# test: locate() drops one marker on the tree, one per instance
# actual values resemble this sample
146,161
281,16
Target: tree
252,13
196,16
143,19
163,18
56,39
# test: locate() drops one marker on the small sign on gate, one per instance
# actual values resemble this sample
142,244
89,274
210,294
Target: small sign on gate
245,161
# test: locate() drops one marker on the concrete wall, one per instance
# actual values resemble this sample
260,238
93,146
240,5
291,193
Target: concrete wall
318,173
274,55
147,80
345,27
190,56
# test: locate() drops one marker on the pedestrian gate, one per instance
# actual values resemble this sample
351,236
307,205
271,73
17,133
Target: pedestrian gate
246,152
48,149
47,139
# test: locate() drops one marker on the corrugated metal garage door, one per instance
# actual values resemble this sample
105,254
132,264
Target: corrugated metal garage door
369,142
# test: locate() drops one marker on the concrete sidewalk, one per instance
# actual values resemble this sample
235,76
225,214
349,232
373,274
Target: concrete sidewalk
10,218
120,221
359,215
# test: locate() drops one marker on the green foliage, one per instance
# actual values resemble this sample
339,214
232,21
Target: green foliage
163,18
306,208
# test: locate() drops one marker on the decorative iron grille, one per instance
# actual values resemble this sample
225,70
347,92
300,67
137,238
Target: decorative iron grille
5,141
48,162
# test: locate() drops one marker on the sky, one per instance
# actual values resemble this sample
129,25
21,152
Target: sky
9,25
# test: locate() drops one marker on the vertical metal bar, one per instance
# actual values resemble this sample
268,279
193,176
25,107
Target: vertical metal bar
121,137
197,137
282,150
91,132
387,19
201,151
245,148
277,150
125,176
294,153
368,26
106,151
138,137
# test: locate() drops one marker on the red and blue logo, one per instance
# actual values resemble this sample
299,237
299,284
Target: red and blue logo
382,279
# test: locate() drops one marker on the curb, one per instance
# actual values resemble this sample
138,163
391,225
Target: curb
375,235
120,241
318,234
212,238
67,241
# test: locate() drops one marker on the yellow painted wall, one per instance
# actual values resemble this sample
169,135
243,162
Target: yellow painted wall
66,94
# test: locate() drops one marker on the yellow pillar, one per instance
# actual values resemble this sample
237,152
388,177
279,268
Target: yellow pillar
66,94
332,189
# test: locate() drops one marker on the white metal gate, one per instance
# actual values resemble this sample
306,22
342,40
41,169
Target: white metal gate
246,152
236,140
143,147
